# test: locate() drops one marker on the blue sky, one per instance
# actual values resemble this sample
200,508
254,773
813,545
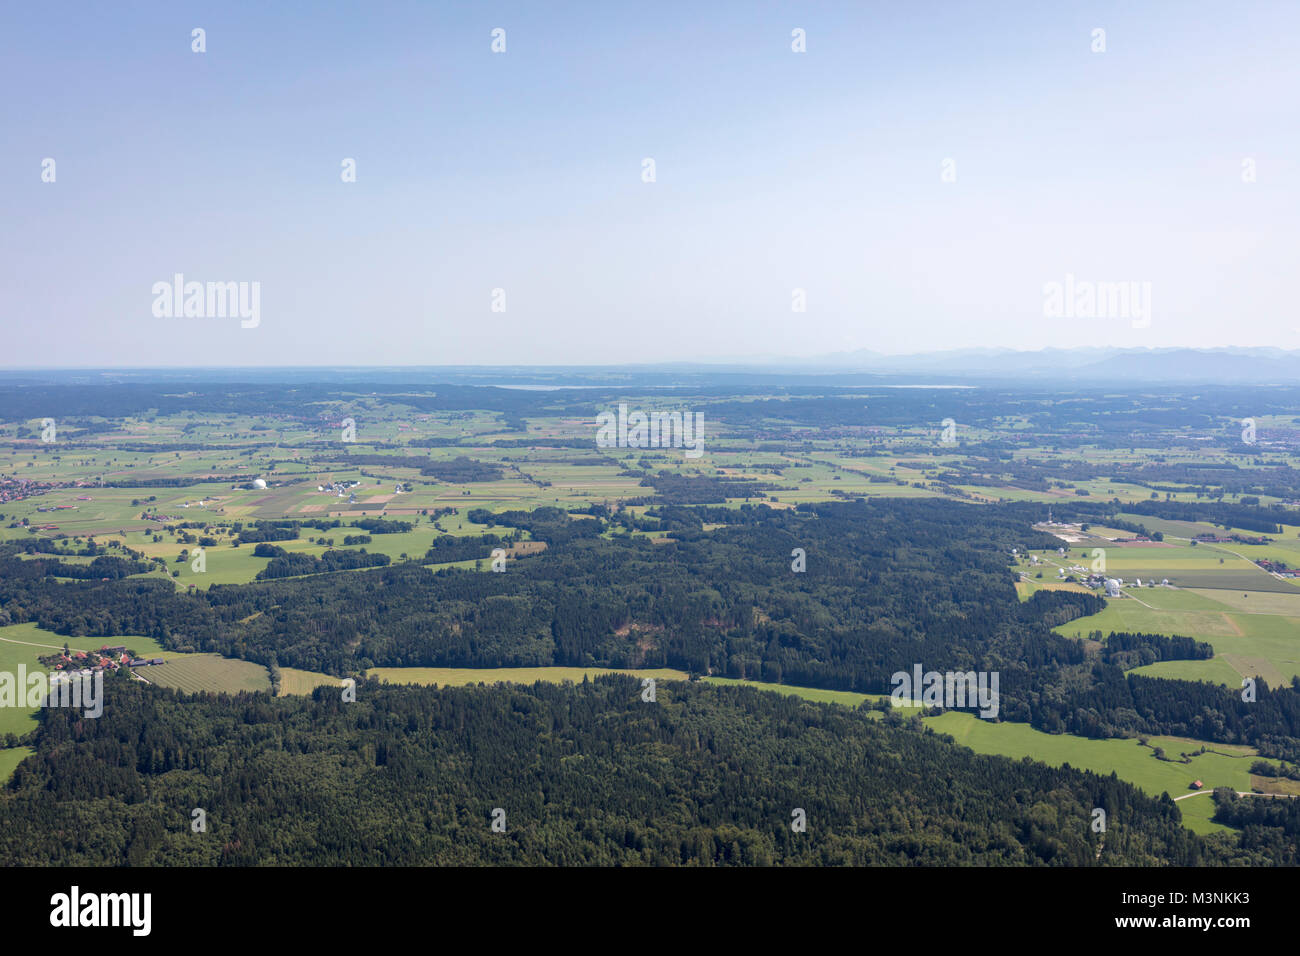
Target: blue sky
522,171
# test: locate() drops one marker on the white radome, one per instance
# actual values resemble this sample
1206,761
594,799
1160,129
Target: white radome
259,483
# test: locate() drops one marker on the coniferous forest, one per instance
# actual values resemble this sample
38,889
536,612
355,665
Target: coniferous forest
585,774
590,773
888,583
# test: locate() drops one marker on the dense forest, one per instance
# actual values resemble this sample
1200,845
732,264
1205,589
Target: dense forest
284,564
889,583
1270,827
585,774
459,470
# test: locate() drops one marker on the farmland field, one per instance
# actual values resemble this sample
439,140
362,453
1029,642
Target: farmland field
1126,757
10,758
211,673
847,698
295,681
1263,644
16,648
460,676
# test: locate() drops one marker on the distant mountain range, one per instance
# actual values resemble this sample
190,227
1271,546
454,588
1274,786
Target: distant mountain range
1217,365
1077,366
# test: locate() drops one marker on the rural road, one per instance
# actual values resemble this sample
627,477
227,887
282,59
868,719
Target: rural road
1240,793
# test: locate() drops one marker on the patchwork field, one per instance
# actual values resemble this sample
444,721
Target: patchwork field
182,477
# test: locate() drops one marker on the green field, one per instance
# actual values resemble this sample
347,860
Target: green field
295,681
213,673
460,676
187,672
845,697
11,758
1245,644
1217,670
24,643
1250,618
1125,757
20,720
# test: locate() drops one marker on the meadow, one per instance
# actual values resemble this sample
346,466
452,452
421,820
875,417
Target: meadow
1128,758
295,681
845,697
1253,633
460,676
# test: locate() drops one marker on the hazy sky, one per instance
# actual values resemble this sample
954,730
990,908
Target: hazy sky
522,171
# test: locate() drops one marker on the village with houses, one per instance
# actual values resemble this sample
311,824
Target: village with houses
67,664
